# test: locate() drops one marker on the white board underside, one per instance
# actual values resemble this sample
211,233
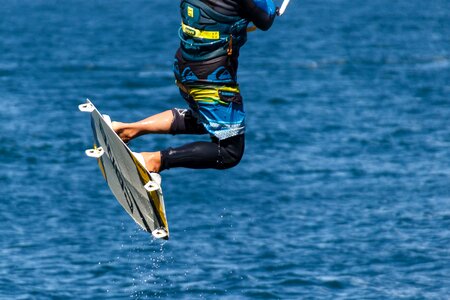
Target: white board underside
126,178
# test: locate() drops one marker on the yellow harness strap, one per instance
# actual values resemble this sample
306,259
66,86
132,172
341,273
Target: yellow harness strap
197,33
208,94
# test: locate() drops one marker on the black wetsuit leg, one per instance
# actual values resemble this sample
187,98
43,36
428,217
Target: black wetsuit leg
216,154
184,122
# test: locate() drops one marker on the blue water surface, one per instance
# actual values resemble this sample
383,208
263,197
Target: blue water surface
343,192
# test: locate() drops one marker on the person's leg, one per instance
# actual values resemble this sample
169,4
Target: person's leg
217,154
159,123
175,121
223,154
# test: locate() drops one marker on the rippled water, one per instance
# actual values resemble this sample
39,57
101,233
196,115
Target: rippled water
343,192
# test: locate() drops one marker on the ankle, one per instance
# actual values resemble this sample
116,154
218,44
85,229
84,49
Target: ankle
152,161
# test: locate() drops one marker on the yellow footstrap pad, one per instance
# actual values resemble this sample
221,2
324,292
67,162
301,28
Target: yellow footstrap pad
202,34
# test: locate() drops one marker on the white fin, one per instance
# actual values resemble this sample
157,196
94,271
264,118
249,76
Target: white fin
86,107
95,153
152,186
160,233
155,183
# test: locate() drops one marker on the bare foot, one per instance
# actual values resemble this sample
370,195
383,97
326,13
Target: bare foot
124,131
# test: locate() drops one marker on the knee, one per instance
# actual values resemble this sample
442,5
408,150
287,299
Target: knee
231,152
230,161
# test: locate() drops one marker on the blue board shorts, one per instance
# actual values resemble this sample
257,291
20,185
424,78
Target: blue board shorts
218,108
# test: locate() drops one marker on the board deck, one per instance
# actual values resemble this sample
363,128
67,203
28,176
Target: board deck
134,187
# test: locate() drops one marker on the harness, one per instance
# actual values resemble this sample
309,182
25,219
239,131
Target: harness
211,94
206,34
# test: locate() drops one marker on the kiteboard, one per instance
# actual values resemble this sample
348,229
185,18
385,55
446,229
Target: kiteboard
136,189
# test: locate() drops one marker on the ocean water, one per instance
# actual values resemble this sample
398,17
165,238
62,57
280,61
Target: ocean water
343,192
